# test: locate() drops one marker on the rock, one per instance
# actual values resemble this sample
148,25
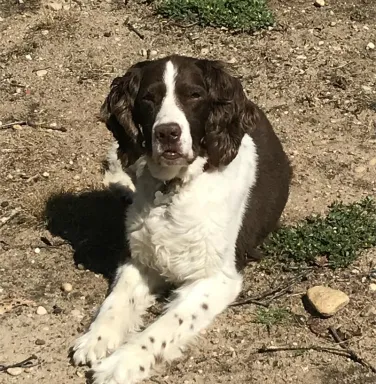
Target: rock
45,174
232,60
28,57
368,311
14,371
81,267
372,162
366,88
39,342
66,287
41,311
204,51
327,301
45,32
56,310
41,73
319,3
333,24
17,127
77,177
360,169
107,34
76,313
370,45
37,250
55,6
153,52
372,287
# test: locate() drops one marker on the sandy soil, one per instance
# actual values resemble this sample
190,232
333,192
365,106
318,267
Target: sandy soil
314,77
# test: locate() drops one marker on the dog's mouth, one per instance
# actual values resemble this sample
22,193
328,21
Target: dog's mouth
171,155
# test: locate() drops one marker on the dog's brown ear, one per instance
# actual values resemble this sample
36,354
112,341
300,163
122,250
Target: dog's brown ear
231,114
117,113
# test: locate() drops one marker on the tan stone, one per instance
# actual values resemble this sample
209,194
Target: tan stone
327,301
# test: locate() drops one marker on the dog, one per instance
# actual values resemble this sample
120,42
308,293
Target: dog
209,180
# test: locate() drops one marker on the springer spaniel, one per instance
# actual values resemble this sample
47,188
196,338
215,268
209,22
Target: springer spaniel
209,181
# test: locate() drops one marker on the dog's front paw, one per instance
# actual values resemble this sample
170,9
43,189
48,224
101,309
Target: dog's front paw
128,365
96,344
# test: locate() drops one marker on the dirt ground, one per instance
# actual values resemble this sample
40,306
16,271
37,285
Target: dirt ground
312,74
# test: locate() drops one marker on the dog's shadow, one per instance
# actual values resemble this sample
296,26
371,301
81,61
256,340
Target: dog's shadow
94,224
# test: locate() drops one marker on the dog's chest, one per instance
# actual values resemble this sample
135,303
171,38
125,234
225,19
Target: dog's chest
177,234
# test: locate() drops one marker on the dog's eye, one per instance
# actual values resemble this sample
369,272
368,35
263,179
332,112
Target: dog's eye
195,95
148,97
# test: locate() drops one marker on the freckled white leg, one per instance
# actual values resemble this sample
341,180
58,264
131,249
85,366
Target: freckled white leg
119,314
194,308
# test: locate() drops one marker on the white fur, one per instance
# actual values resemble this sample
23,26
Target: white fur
186,236
170,112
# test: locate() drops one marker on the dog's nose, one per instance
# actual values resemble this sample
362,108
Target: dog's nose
168,133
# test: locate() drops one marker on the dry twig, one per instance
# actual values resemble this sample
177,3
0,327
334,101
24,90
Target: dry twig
12,215
273,294
33,124
318,348
132,28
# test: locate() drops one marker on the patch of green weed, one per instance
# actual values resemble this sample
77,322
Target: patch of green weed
247,15
272,316
339,236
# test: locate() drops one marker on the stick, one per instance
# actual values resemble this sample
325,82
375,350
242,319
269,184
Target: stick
13,214
33,124
273,293
335,351
10,125
133,29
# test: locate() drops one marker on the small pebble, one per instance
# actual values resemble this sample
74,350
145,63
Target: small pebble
319,3
37,250
41,73
41,311
28,57
360,169
366,88
14,371
77,177
75,313
80,267
46,174
370,45
107,34
45,32
372,287
39,342
153,52
204,51
56,310
80,374
333,24
66,287
55,6
372,162
17,127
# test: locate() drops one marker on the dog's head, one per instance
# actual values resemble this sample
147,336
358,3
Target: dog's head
176,109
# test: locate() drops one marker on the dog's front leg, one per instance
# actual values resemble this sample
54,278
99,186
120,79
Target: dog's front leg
119,314
195,306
